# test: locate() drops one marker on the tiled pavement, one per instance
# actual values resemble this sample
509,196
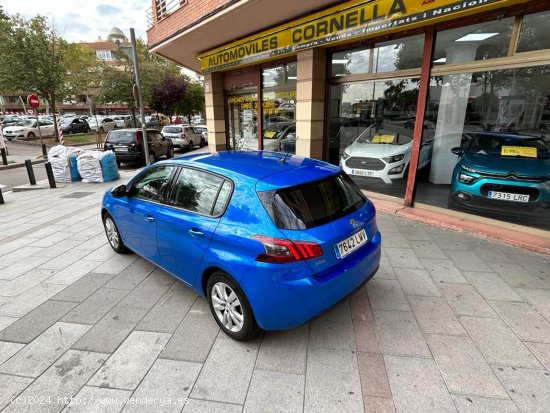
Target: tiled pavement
449,323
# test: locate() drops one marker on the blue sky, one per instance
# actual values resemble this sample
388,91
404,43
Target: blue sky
78,20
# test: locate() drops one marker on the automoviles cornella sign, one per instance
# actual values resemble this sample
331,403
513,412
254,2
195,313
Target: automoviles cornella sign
351,20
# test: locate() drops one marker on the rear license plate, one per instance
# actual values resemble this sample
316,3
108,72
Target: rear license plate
362,172
350,244
121,149
506,196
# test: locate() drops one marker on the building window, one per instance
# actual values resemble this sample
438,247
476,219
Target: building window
398,54
104,55
533,34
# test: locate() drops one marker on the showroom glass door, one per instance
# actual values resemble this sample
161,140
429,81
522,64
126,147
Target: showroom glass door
242,118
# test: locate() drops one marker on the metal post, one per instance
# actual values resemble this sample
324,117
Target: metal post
140,100
1,197
49,173
30,172
4,157
3,147
40,133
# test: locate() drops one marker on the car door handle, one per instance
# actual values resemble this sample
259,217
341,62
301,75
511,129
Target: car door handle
149,218
194,232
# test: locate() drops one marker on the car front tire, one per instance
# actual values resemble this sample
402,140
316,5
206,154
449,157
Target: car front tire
113,236
230,308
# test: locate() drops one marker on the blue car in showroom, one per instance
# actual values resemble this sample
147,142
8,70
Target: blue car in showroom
271,240
502,172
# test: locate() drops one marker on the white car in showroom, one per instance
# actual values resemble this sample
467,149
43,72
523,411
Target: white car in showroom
28,129
384,154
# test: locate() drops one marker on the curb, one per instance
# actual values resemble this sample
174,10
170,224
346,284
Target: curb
20,164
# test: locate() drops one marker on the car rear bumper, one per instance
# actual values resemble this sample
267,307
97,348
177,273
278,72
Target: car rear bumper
279,305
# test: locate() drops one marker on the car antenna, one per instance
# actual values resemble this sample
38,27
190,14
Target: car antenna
288,153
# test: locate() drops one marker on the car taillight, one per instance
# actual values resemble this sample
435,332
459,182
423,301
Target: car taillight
280,251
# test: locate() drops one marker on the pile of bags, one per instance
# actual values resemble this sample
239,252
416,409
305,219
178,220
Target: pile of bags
75,164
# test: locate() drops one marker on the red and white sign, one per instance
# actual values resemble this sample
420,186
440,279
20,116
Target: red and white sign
33,101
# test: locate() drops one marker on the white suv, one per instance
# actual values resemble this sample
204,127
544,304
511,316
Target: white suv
183,136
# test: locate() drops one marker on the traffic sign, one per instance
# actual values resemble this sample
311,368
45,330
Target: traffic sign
33,101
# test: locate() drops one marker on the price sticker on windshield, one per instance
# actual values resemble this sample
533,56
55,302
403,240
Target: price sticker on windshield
383,139
269,134
524,151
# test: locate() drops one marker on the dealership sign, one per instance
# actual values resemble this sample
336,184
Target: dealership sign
348,21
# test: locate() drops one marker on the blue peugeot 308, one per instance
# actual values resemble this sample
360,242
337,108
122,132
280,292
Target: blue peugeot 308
270,240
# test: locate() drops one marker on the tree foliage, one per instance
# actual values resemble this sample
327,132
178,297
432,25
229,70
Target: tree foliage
168,93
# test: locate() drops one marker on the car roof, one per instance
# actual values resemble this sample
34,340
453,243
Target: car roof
273,169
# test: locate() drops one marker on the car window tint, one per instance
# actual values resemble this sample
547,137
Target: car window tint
223,199
195,191
152,184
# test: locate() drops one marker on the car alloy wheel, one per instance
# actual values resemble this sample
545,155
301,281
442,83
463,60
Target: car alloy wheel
113,236
191,146
152,158
170,153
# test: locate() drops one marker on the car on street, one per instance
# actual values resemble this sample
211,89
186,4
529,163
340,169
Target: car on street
28,129
126,121
157,121
183,136
502,172
9,120
101,124
203,130
74,125
127,144
271,241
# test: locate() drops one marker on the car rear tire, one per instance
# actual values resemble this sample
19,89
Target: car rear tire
88,130
201,145
30,135
191,146
170,153
101,130
113,236
152,158
230,308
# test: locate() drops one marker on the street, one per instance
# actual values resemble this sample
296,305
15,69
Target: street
19,152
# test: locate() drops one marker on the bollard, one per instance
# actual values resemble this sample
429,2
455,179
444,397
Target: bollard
1,197
4,157
44,151
49,173
30,172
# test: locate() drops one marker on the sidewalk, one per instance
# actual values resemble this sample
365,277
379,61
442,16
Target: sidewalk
451,322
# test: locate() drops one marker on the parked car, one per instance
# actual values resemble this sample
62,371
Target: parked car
75,125
383,154
183,136
10,120
126,121
28,129
127,144
502,172
102,124
270,243
203,130
157,121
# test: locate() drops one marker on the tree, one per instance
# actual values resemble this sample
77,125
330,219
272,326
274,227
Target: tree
168,93
193,100
85,71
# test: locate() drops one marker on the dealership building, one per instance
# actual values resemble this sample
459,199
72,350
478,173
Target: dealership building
437,104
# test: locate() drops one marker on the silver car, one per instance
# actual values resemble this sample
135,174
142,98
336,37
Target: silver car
183,136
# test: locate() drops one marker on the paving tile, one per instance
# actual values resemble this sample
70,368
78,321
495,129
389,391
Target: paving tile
98,400
226,373
169,311
527,388
275,391
542,352
24,282
360,306
465,300
37,356
517,277
30,299
366,336
83,288
427,249
540,299
57,249
90,243
374,379
132,275
523,319
74,272
434,316
20,267
11,386
463,367
50,240
487,252
387,295
64,260
6,321
399,334
30,326
284,351
116,264
103,253
415,232
130,362
149,291
195,336
395,240
498,343
492,287
416,282
378,405
535,264
61,381
385,270
8,349
205,406
428,392
333,330
19,254
443,271
332,382
111,330
93,308
476,404
166,380
403,258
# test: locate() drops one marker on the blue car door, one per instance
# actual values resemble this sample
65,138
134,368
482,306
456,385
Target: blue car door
137,213
185,227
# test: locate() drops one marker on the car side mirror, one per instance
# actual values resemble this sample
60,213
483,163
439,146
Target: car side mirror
457,151
119,191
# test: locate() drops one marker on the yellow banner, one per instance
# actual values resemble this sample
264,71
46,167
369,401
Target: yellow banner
383,139
347,21
519,151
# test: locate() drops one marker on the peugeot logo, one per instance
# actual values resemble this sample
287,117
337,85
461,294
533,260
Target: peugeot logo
354,223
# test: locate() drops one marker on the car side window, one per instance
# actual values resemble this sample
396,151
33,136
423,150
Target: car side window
195,191
223,198
153,184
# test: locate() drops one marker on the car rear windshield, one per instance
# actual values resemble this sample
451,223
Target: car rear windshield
314,203
172,130
121,137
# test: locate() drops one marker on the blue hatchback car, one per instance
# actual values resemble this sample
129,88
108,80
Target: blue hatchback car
270,240
502,172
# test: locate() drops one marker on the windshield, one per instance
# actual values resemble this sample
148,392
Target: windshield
376,134
172,130
24,123
120,137
504,145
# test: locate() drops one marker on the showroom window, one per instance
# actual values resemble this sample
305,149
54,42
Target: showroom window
398,54
351,62
242,119
534,32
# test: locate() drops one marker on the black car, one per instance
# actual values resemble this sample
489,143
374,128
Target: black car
75,125
127,144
